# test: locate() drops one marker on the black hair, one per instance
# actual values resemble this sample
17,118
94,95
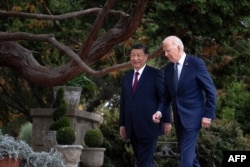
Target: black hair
139,46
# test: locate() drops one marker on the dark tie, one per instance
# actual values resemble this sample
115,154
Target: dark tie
135,81
175,80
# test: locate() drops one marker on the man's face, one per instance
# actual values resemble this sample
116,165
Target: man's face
172,52
138,58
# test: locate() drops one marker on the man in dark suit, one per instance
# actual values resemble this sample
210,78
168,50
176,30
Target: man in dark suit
192,95
142,112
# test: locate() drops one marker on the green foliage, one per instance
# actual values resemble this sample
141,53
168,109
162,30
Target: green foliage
60,111
59,96
88,86
17,97
63,122
234,63
222,135
233,104
13,127
60,104
61,108
194,22
93,138
108,90
118,152
199,18
26,132
65,136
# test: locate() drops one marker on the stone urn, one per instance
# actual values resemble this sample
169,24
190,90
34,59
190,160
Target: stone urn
93,156
72,95
70,153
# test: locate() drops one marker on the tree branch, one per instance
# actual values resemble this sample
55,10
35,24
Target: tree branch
96,26
56,17
124,28
17,57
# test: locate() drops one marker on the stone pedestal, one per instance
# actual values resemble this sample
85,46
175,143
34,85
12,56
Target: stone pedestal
80,121
49,139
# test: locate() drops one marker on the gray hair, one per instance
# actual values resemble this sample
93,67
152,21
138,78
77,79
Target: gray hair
176,41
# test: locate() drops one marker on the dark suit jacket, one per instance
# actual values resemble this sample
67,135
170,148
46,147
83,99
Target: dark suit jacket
196,94
136,109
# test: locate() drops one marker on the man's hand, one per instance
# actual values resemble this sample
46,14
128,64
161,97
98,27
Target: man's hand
157,117
167,128
205,122
123,132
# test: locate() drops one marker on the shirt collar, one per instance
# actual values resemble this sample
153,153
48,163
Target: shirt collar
181,61
141,70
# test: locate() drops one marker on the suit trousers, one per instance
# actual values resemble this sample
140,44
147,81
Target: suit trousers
187,143
144,149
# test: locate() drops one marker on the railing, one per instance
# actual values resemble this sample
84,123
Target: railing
167,150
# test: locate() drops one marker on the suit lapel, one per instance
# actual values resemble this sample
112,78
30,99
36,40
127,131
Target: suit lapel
129,82
184,71
171,76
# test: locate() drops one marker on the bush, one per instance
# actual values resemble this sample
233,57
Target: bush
60,111
65,136
60,105
26,132
118,152
12,148
63,122
233,104
93,138
13,127
222,135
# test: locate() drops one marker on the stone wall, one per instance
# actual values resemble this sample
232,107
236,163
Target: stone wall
81,121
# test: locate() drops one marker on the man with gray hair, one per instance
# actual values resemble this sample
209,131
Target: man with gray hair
191,93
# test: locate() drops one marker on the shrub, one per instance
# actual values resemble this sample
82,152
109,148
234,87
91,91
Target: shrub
12,148
65,136
63,122
93,138
26,132
45,159
222,135
60,104
118,152
13,126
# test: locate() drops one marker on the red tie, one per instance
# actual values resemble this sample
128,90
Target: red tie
135,81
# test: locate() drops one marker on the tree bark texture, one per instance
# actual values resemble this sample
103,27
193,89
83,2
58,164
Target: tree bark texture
14,55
